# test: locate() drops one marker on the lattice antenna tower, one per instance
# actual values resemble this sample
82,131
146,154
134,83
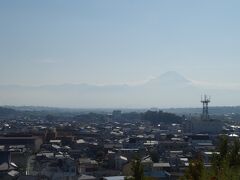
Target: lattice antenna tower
205,100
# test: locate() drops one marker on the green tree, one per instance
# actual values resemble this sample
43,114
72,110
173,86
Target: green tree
223,147
137,169
195,170
234,158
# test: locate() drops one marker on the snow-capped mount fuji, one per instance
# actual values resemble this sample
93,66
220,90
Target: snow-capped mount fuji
174,77
170,78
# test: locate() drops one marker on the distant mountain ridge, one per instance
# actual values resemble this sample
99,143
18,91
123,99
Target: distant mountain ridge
168,90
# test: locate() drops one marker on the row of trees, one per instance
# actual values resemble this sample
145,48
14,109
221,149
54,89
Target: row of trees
225,163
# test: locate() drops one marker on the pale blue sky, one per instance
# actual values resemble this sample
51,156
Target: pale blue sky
56,42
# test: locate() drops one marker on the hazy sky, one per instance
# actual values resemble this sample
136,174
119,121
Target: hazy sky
56,42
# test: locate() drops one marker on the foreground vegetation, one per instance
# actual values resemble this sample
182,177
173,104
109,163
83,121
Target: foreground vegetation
225,164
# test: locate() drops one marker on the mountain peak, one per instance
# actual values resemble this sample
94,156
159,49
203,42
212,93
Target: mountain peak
173,76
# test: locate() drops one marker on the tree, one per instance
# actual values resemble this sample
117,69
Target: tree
154,156
137,169
223,147
220,162
234,157
195,170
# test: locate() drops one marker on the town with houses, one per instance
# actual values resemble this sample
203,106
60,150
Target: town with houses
37,145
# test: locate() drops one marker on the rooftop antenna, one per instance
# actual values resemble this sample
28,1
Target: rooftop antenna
205,100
